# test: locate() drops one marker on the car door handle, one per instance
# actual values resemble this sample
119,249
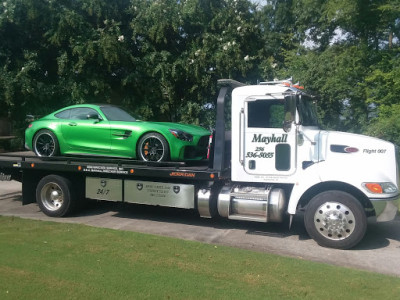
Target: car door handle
72,124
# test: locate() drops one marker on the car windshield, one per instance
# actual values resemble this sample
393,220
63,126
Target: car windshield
114,113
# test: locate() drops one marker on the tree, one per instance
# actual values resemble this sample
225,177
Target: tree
58,52
161,59
386,126
186,46
346,59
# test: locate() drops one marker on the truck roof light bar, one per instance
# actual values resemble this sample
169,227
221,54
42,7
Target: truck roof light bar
230,83
286,82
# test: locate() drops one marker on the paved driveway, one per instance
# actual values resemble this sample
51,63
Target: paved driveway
378,252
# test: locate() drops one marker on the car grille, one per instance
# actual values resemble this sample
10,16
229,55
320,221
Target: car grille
203,142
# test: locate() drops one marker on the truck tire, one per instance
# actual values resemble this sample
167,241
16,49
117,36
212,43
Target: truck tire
55,196
45,143
153,147
335,219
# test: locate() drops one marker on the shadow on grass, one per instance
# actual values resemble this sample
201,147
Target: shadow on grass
16,196
192,218
378,234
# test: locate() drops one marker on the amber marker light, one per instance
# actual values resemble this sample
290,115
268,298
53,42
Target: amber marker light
32,165
79,168
381,187
375,188
131,171
212,176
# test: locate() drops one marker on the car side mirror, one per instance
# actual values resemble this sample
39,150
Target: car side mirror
290,112
96,117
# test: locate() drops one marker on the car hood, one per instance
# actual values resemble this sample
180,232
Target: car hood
192,129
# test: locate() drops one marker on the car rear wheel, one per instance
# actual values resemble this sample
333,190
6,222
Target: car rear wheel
153,147
45,144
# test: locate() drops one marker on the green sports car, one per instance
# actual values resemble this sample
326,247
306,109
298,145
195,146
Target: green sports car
106,130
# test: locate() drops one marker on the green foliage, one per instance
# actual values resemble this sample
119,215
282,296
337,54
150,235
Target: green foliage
161,59
57,53
349,59
185,46
387,126
335,74
383,82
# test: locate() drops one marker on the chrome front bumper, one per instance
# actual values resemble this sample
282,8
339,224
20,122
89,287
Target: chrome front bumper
385,210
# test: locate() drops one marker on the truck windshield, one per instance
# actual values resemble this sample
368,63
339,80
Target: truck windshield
307,111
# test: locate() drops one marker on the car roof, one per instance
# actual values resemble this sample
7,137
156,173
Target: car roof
92,105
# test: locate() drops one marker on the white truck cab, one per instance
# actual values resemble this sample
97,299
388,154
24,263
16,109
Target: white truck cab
339,179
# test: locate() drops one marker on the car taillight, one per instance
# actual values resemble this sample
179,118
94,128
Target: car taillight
30,125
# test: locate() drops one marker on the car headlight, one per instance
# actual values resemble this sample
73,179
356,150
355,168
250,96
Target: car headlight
183,136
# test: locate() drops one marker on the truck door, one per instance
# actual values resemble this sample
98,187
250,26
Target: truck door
267,148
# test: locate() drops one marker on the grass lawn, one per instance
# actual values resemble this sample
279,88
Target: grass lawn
46,260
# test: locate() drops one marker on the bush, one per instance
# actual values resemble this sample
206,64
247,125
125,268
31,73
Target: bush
387,125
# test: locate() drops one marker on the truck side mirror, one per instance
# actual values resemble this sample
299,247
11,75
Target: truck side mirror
287,126
290,112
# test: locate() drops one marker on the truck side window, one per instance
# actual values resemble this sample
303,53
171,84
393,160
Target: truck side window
265,114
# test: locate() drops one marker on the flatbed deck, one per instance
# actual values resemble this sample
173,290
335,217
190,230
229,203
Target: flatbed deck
15,163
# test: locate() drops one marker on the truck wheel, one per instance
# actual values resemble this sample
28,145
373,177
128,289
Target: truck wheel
45,143
153,147
55,196
335,219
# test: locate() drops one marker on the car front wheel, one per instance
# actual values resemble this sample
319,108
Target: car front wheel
153,147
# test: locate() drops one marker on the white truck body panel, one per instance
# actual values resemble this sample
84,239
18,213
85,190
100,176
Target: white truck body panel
313,156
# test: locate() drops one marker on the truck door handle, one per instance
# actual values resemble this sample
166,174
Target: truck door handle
241,136
72,124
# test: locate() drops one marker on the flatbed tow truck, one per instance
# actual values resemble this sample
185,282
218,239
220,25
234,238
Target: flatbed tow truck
274,161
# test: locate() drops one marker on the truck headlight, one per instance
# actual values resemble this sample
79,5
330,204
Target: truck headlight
380,187
184,136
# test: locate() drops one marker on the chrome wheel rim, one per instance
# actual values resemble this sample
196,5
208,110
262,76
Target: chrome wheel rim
45,145
334,220
51,196
152,149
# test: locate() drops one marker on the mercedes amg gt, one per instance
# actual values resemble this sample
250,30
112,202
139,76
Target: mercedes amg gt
106,130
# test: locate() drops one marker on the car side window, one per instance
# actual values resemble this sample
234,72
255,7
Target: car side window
63,114
81,113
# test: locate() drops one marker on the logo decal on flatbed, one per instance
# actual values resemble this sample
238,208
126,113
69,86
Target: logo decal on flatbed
182,174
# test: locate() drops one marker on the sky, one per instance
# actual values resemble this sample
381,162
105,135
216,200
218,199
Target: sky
259,2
